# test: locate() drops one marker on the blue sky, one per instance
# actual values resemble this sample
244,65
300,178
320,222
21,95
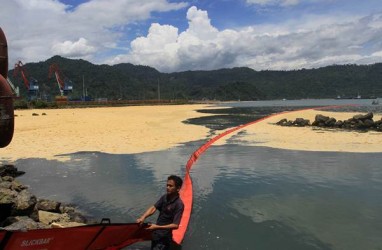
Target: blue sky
174,36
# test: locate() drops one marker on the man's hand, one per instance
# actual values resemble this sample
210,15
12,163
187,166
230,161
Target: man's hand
152,227
148,213
140,220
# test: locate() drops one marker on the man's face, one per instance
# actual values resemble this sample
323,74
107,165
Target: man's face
171,188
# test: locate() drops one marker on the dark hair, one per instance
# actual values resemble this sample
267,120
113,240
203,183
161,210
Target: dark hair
178,181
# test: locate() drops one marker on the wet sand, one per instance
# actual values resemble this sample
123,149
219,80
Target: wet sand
124,130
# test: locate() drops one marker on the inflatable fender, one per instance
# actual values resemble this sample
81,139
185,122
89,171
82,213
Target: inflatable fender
6,96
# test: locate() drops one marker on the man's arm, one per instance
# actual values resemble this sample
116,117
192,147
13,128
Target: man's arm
171,226
150,211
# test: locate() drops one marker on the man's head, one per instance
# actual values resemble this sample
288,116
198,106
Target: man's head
174,183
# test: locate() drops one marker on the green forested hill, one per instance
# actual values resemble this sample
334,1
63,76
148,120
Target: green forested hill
131,82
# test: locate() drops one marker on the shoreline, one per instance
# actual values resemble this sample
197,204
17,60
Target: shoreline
266,133
137,129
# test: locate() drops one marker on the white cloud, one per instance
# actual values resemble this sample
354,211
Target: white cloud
76,49
165,49
92,28
199,24
310,41
160,46
90,31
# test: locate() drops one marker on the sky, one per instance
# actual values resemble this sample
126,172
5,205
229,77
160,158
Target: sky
176,35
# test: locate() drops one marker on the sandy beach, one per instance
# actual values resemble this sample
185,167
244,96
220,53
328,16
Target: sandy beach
266,133
123,130
116,130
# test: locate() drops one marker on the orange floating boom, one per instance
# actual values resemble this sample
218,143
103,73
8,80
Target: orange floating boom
186,190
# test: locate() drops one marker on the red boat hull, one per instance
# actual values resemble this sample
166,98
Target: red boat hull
91,237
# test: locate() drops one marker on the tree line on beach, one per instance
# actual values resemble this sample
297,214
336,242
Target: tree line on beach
136,82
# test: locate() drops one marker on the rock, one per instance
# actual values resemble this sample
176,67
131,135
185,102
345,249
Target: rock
7,178
20,210
66,224
6,184
48,217
368,123
7,196
357,122
7,201
10,170
23,223
25,203
17,186
288,123
67,209
363,117
48,205
281,122
339,124
301,122
77,217
330,122
321,118
34,214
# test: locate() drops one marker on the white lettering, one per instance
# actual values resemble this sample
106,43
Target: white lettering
35,242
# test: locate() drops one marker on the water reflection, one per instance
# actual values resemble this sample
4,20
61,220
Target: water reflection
324,199
244,197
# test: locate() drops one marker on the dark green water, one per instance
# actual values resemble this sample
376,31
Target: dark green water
244,197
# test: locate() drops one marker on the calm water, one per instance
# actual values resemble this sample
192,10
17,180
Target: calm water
244,197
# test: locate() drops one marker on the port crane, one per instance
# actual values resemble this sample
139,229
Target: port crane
31,84
64,84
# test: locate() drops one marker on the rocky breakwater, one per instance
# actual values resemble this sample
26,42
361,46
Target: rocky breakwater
21,210
358,122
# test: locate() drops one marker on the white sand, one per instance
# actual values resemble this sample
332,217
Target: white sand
135,129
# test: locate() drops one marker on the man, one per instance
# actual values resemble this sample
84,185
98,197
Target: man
170,208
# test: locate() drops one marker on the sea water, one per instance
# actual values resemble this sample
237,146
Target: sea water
245,197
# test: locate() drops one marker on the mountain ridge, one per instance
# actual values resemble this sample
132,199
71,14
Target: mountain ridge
138,82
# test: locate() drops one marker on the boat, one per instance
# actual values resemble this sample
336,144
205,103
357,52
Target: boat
90,237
